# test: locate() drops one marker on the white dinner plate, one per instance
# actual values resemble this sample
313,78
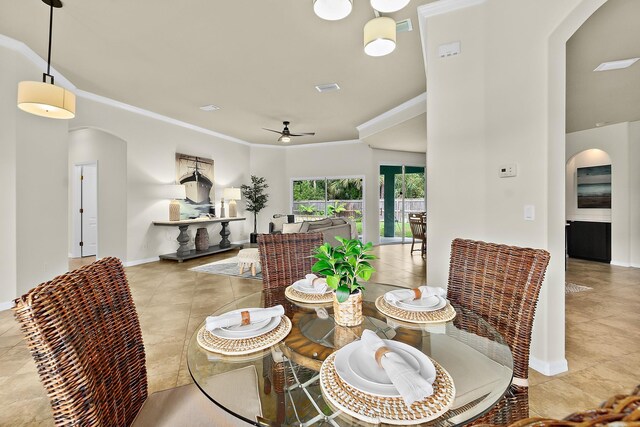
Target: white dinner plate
304,287
364,366
237,334
418,305
347,374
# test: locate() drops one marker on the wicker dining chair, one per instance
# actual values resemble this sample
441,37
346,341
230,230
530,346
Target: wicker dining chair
501,283
83,332
418,232
284,258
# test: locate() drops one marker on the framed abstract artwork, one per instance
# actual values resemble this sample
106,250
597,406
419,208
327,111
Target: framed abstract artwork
594,187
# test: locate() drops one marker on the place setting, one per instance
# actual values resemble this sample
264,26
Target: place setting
244,331
310,290
385,381
425,304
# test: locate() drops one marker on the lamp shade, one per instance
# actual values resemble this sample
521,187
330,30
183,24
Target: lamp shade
332,10
46,100
232,193
380,36
389,6
176,192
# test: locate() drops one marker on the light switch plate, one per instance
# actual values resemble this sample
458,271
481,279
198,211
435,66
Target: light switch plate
529,212
449,49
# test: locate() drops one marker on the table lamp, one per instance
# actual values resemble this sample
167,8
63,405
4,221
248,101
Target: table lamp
175,192
232,194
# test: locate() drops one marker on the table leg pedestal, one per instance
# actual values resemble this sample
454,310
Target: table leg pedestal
225,242
183,240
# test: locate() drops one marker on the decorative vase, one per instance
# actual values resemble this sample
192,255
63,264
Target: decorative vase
343,335
202,239
348,313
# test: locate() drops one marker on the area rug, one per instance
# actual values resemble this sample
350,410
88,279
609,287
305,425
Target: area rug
227,267
572,288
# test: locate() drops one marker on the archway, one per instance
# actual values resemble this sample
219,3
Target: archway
109,153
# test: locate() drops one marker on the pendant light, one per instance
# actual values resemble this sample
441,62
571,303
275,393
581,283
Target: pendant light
332,10
380,36
46,99
389,6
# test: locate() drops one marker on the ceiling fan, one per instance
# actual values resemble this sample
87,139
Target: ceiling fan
285,134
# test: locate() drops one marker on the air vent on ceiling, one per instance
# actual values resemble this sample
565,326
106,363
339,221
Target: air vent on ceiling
404,26
616,65
328,87
209,107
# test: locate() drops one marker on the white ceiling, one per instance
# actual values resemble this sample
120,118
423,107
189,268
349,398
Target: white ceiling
612,33
258,60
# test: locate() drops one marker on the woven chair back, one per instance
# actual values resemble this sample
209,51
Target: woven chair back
286,258
84,334
418,227
501,283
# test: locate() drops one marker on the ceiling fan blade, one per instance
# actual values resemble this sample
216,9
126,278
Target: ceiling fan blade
271,130
302,134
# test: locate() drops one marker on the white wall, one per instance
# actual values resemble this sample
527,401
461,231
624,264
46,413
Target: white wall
501,101
270,163
614,140
634,193
151,148
93,145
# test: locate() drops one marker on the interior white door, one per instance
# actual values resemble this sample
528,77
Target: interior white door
89,210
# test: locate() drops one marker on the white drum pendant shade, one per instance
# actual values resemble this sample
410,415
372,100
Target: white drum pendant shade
46,100
389,6
332,10
380,36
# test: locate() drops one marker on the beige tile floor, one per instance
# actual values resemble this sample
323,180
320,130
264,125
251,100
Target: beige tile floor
602,333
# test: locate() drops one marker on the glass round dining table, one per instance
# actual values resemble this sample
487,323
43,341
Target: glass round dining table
289,393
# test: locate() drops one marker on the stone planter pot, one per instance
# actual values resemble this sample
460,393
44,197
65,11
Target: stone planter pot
202,239
348,313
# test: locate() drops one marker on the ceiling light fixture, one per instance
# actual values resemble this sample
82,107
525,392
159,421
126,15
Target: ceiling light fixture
332,10
616,65
46,99
380,36
389,6
210,107
284,138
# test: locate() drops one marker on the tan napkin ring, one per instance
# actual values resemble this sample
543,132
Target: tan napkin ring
417,293
379,353
246,318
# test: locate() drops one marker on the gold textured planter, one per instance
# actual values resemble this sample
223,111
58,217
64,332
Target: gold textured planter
343,335
348,313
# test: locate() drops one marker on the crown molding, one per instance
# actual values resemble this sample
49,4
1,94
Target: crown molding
403,112
141,111
311,145
445,6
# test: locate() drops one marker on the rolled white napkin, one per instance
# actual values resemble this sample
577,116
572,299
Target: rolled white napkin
411,387
233,319
408,295
319,283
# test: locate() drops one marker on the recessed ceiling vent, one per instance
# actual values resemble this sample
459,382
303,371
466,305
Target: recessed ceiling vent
404,26
616,65
329,87
209,107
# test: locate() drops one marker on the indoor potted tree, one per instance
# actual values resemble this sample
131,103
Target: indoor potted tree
256,199
345,267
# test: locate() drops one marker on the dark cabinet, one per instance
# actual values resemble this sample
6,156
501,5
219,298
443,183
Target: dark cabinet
589,240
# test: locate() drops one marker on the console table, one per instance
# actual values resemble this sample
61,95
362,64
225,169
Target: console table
183,253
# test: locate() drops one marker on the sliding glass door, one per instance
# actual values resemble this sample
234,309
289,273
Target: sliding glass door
402,190
315,198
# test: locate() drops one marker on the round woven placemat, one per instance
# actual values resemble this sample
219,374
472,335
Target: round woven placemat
298,296
210,342
391,410
443,315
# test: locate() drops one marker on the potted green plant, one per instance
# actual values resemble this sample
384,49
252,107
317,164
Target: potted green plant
256,199
345,267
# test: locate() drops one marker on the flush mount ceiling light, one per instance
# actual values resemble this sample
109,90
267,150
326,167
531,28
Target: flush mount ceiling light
380,36
332,10
389,6
616,65
210,107
46,99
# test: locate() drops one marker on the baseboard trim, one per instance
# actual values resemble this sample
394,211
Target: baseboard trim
620,264
635,265
240,242
6,305
549,368
141,261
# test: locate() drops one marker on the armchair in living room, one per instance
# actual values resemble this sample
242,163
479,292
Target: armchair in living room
275,226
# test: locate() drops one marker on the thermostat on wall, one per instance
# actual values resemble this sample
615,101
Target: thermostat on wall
507,171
